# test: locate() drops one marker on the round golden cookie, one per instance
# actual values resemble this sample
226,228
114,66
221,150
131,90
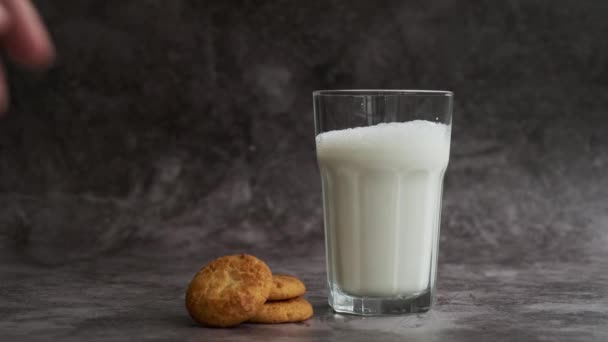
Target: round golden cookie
286,287
284,311
229,290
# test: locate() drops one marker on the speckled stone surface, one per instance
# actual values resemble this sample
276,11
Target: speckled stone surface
141,298
170,132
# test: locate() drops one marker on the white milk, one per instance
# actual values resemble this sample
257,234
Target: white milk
382,196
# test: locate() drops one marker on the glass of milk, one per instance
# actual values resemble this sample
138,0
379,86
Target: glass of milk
382,155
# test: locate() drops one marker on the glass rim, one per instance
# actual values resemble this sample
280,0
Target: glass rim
381,92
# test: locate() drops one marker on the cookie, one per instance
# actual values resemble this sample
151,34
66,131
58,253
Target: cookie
284,311
229,290
286,287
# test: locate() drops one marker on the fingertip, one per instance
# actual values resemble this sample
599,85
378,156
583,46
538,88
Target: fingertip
41,56
5,20
38,55
27,40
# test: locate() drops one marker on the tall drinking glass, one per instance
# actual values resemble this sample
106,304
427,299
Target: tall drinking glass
382,155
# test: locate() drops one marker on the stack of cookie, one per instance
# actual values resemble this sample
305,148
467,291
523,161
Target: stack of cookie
241,288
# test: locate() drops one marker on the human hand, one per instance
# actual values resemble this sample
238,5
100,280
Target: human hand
25,39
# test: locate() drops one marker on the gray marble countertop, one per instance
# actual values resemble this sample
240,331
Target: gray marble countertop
135,297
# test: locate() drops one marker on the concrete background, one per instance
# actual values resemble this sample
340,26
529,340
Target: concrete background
179,127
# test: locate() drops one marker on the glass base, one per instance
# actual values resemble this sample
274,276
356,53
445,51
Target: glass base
375,306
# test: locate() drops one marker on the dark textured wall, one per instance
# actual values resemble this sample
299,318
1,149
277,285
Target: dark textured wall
175,126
